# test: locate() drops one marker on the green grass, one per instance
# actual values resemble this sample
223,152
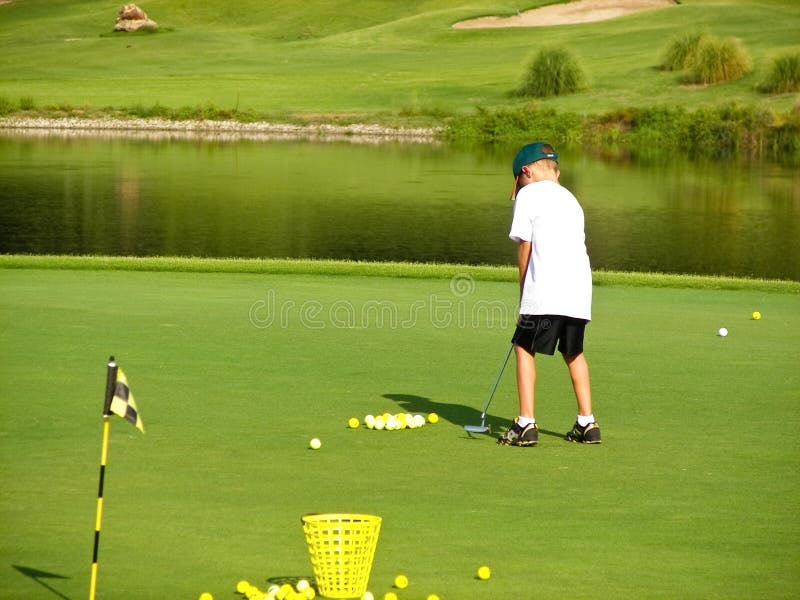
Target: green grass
552,72
369,269
718,60
374,59
783,75
693,493
682,51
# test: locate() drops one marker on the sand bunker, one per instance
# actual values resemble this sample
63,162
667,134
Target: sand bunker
582,11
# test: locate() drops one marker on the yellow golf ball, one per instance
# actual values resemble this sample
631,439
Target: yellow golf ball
433,418
206,596
315,444
433,597
401,582
756,316
484,572
284,591
390,596
242,586
353,423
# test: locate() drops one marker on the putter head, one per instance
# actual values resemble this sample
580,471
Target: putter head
477,428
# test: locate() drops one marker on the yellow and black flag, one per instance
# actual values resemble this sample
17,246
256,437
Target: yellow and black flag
123,404
118,400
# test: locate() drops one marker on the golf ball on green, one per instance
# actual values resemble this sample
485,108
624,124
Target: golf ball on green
722,332
756,316
315,444
484,572
401,582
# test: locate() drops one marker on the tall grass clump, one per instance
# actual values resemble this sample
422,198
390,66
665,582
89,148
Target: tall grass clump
682,52
718,60
6,106
552,72
783,76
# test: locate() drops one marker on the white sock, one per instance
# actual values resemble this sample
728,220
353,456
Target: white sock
584,420
524,421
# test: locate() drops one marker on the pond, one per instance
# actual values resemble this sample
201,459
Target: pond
397,201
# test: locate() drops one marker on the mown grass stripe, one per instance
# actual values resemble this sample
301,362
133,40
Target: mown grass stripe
376,269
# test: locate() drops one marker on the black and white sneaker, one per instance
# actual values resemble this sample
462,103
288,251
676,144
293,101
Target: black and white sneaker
584,435
520,436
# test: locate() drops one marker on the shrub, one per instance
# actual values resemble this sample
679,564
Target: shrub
27,103
718,60
553,72
6,106
682,52
783,76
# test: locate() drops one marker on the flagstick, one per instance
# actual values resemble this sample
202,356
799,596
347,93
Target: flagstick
110,385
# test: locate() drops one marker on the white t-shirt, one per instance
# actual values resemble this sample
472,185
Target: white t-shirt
559,278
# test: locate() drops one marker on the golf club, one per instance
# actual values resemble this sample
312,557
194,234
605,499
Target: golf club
483,428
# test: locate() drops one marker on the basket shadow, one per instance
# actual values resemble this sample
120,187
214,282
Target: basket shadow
290,579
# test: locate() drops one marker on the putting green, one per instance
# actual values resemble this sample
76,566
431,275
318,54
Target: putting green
693,493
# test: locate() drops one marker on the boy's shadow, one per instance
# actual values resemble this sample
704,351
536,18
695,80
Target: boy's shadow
457,414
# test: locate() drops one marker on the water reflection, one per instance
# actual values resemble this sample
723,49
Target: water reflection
387,201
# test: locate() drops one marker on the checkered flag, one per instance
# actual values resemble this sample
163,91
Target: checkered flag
123,403
118,400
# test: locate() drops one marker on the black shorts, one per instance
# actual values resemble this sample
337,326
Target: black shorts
540,333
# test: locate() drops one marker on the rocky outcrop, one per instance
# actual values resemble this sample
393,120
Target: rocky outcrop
133,18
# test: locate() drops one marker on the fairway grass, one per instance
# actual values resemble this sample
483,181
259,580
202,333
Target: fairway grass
369,60
693,493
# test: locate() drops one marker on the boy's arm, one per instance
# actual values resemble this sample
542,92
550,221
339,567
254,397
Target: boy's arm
523,258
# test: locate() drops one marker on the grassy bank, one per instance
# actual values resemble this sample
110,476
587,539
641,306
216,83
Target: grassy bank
375,269
379,60
718,132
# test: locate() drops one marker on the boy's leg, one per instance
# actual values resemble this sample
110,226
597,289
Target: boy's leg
523,433
579,373
585,430
526,380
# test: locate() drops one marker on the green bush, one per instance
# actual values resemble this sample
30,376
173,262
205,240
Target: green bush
718,60
6,106
27,103
682,52
783,76
553,72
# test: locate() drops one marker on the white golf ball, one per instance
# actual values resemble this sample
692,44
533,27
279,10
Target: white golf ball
722,332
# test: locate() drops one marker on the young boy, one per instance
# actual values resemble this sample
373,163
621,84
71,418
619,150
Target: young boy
555,281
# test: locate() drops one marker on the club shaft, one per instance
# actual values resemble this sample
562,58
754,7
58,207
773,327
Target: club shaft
496,381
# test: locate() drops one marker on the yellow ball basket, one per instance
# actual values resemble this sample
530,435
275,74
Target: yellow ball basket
342,547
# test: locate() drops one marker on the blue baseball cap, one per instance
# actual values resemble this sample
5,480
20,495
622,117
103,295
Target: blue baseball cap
531,153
